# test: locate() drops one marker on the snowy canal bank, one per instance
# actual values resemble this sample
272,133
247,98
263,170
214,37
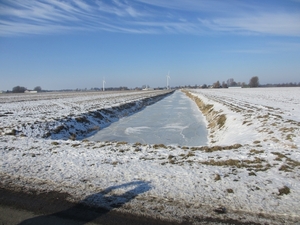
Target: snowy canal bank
70,115
174,120
249,172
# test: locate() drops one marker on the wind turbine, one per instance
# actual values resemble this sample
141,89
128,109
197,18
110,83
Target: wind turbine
103,83
168,77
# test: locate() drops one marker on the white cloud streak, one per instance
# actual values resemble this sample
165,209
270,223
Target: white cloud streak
20,17
274,24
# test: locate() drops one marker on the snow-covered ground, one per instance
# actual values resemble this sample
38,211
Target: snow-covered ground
70,115
251,167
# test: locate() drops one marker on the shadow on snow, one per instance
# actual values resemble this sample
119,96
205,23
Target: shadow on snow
93,206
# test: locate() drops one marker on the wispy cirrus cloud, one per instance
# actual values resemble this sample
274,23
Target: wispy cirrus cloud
273,47
44,16
264,23
148,16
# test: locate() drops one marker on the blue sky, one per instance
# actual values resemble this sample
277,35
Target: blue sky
67,44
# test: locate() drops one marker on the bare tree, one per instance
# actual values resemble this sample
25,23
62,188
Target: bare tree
38,89
18,89
217,84
254,82
224,85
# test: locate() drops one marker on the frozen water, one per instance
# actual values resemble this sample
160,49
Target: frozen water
174,120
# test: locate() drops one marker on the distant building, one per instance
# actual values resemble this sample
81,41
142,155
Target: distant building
30,91
147,89
232,87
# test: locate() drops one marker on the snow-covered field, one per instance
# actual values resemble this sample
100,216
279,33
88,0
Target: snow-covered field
68,115
251,166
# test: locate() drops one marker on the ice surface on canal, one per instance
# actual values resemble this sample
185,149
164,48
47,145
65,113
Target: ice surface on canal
174,120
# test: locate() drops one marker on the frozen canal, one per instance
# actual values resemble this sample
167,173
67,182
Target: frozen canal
174,120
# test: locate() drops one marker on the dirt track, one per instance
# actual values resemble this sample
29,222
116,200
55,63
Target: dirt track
52,208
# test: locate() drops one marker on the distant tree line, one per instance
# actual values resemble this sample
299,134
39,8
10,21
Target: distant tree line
121,88
282,85
254,82
20,89
38,89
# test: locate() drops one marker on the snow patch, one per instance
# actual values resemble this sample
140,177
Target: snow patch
134,130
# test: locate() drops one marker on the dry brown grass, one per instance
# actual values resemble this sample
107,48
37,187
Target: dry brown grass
137,145
190,154
217,177
216,148
58,129
252,174
230,191
215,119
254,151
290,137
82,119
157,146
285,168
93,128
284,190
75,145
257,164
290,163
72,136
221,120
172,159
54,143
121,143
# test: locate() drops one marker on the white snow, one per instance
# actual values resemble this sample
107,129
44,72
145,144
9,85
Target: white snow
168,182
176,126
133,130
